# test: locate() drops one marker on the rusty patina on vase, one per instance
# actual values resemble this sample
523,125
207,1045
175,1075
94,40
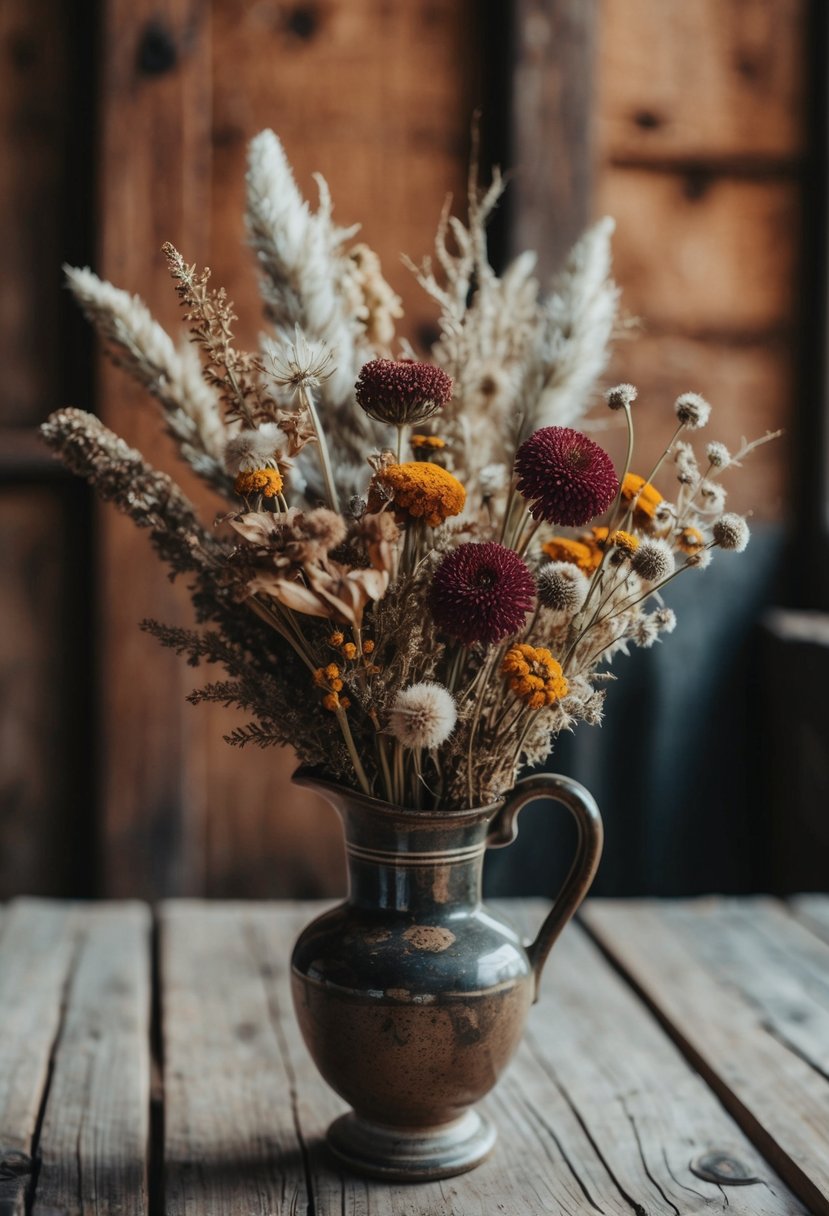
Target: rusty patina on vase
412,995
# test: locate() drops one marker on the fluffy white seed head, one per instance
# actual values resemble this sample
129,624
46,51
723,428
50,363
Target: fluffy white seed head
257,449
562,588
646,630
712,497
653,561
665,619
700,560
731,532
692,410
423,715
621,396
718,455
492,479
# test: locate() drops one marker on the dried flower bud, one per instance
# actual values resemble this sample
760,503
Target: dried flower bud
718,455
665,619
401,391
712,496
621,397
653,561
423,715
645,630
692,410
562,588
731,532
700,560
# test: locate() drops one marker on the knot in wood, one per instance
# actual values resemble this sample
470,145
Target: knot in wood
720,1167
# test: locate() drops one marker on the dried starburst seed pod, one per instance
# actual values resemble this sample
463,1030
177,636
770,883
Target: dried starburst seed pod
653,561
731,532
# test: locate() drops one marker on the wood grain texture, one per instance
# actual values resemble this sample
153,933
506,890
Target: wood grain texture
712,80
37,948
582,1124
35,47
154,187
552,153
693,964
94,1139
38,845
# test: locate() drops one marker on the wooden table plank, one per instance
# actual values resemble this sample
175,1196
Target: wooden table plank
94,1139
230,1137
37,949
713,972
586,1119
812,911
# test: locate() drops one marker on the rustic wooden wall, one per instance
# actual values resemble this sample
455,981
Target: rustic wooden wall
701,133
684,120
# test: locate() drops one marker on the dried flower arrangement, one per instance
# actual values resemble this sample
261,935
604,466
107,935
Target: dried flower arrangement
390,591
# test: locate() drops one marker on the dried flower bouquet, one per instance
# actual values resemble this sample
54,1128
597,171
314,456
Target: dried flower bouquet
422,571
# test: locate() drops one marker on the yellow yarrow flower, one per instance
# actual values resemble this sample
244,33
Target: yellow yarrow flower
424,491
648,500
267,482
534,675
690,540
430,442
585,554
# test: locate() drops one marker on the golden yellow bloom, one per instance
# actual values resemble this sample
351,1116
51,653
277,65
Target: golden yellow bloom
350,650
648,500
625,542
690,540
424,491
332,671
337,638
585,554
427,441
333,702
534,675
267,482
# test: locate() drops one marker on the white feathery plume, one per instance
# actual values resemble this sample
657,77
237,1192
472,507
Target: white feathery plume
578,319
137,343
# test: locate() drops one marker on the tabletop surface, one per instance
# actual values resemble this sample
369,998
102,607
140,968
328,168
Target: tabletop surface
677,1061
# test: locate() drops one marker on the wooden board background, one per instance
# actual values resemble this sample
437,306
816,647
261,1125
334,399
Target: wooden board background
685,121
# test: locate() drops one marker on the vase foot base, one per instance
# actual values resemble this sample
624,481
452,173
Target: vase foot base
409,1154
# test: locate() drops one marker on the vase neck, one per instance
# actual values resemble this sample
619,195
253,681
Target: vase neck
413,863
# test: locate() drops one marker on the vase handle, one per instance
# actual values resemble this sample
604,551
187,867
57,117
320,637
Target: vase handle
582,806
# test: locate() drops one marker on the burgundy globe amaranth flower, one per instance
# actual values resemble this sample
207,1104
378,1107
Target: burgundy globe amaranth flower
401,391
565,477
481,592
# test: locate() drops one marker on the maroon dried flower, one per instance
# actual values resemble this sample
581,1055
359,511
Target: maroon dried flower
481,593
401,391
565,477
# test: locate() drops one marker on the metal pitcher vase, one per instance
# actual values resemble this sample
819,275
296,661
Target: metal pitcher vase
412,995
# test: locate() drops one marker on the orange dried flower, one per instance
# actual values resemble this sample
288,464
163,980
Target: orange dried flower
690,540
534,675
267,482
648,499
625,542
350,650
585,554
334,702
368,646
337,638
424,491
428,441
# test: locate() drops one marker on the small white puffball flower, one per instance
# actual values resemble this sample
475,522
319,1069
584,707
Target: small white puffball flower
664,514
692,410
700,560
687,470
665,619
712,497
593,709
562,588
254,449
423,715
731,532
621,397
653,561
646,630
492,479
718,455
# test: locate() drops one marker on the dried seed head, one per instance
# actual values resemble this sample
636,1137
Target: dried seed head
653,561
621,397
718,455
731,532
692,410
423,715
562,588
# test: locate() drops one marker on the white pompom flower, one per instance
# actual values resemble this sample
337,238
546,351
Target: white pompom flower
423,715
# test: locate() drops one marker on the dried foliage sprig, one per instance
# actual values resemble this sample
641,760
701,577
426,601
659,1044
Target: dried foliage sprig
477,564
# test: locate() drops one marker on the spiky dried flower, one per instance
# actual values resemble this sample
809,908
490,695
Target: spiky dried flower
562,588
481,592
423,715
692,410
565,477
653,561
402,392
621,396
731,532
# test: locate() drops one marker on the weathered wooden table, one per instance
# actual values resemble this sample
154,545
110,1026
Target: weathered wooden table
677,1061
